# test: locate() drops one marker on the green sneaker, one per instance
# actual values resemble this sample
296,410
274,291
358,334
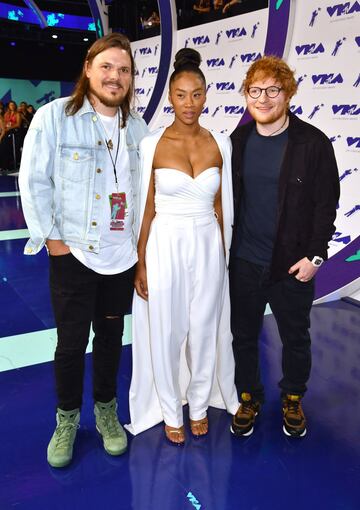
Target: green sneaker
60,449
107,424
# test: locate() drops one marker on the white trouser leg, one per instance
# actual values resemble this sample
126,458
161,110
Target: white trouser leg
205,306
168,286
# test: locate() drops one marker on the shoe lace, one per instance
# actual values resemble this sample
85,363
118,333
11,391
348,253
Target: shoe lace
110,422
247,407
293,407
63,433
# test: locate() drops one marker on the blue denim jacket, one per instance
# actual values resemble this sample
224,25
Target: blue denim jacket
61,178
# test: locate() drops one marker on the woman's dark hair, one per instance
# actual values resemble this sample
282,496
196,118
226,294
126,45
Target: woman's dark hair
187,60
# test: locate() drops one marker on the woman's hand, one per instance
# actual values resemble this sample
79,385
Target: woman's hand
140,281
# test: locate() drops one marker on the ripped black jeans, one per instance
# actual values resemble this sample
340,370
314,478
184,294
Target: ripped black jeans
80,297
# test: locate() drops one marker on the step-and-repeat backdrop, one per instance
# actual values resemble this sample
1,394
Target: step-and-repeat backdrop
324,50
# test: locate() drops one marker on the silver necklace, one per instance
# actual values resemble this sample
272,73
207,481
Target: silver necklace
109,141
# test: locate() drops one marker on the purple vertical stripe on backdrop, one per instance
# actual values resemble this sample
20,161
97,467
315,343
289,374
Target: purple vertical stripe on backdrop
165,58
277,29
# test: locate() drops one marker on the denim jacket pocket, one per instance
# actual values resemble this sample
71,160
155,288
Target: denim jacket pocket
76,163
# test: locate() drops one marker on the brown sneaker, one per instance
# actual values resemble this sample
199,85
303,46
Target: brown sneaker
294,421
244,419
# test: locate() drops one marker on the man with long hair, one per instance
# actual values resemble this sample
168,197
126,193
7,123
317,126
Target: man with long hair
78,182
286,190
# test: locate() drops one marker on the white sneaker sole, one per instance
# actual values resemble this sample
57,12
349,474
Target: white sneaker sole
293,435
239,435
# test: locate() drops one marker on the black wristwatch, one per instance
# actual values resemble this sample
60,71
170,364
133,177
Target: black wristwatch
317,261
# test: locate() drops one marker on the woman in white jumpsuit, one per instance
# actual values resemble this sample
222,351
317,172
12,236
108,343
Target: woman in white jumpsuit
182,345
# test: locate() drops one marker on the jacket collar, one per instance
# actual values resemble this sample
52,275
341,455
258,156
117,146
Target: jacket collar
86,107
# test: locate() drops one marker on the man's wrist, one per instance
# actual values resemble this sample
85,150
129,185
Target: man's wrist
316,260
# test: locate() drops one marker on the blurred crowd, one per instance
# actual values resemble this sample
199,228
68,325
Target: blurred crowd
193,12
224,6
14,122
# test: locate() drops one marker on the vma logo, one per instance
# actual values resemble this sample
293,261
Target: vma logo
310,49
225,86
300,79
215,63
141,109
353,142
315,109
327,79
250,57
343,9
139,91
346,109
152,70
168,110
235,33
296,110
205,110
314,15
217,109
234,110
341,238
201,40
347,172
145,51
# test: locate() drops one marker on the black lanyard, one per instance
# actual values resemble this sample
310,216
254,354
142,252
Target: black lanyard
117,148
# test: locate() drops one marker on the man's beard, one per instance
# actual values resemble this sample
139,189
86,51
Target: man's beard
107,101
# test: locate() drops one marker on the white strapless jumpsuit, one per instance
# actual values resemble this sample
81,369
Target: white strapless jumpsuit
185,273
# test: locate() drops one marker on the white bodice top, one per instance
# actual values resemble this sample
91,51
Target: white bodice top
177,193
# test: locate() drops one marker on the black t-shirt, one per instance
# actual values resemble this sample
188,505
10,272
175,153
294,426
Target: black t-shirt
263,157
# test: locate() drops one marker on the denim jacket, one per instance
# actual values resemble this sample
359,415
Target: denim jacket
62,183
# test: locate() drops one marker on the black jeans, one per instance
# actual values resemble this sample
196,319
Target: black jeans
290,301
81,296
